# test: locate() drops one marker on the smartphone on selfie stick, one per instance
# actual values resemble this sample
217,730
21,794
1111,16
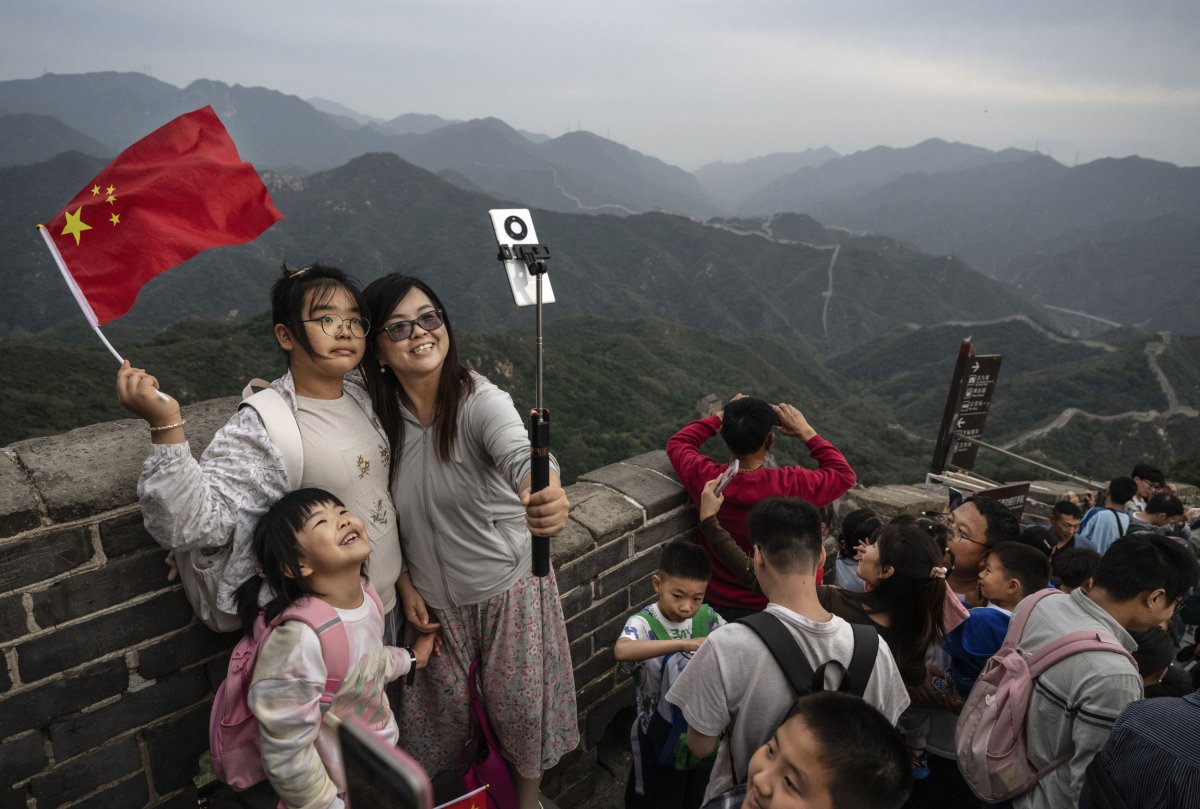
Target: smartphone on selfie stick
524,259
726,476
380,775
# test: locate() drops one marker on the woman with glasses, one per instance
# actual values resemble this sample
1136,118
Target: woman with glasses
460,478
206,511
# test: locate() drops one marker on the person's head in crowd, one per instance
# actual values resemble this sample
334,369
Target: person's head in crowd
1011,572
682,579
857,526
1120,491
1164,509
1074,567
833,750
746,427
1148,480
976,526
786,533
1064,521
1037,537
904,574
1142,578
827,515
1154,653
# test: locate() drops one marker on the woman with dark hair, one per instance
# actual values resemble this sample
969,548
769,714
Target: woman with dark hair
460,480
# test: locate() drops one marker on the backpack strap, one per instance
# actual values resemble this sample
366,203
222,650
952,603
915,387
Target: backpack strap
701,621
1121,529
335,645
1020,616
862,662
783,647
656,628
282,428
1073,643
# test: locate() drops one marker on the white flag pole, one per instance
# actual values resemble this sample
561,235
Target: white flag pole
77,292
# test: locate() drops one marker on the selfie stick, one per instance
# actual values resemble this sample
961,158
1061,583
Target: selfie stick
535,257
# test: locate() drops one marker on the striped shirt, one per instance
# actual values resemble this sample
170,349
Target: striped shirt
1153,755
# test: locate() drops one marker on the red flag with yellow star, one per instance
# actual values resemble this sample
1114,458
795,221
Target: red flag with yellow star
179,190
476,799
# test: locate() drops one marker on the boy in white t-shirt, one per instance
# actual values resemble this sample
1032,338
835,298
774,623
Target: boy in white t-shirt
658,640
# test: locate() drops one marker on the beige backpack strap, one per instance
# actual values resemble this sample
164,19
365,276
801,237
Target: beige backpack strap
281,425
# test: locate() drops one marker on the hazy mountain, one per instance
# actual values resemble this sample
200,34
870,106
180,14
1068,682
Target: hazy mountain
729,182
414,123
26,138
378,213
342,111
854,175
786,227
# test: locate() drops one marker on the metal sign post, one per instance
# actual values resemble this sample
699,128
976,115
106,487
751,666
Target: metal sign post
967,405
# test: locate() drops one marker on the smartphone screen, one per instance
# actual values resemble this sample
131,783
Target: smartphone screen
514,226
727,475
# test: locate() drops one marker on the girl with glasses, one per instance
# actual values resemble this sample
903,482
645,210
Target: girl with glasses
460,478
205,510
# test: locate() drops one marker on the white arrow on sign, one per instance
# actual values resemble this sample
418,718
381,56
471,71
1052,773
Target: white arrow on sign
975,367
960,422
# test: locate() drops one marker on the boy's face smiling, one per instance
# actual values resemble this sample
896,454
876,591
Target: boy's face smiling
994,581
678,598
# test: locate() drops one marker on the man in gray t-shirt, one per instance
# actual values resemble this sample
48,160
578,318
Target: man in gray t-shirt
733,681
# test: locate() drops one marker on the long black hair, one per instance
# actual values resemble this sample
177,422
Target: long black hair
278,553
387,394
914,596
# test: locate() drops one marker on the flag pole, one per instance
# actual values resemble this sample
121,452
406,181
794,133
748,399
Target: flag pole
76,292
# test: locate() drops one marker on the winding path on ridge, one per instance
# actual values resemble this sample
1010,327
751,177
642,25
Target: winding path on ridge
1174,408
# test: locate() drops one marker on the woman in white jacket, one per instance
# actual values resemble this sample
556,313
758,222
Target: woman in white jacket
460,479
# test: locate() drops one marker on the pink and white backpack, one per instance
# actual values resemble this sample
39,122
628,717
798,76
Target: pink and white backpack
232,728
990,737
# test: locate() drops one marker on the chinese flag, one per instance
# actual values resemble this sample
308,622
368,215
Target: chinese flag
475,799
177,191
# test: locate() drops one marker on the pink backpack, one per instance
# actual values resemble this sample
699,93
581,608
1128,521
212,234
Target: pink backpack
990,737
232,728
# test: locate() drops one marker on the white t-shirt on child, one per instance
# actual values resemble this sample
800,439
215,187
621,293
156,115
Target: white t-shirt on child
647,674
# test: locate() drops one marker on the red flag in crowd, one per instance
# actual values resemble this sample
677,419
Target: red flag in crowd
179,190
472,800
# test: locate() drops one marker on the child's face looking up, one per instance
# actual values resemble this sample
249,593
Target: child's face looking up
786,772
678,598
332,540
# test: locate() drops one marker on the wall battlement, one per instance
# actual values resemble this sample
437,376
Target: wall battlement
106,678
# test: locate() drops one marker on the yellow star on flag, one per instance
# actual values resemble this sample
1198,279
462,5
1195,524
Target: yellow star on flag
110,189
75,224
95,190
110,199
115,219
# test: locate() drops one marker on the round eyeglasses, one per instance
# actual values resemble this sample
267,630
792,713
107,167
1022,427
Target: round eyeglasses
403,329
333,325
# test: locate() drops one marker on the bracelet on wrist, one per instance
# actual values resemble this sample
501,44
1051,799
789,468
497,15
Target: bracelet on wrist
180,423
412,667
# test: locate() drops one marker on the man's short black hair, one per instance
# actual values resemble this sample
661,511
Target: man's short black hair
1073,566
1028,565
1121,490
1002,524
686,560
746,424
788,532
1037,537
868,763
1147,472
1164,503
1145,561
1155,650
1067,508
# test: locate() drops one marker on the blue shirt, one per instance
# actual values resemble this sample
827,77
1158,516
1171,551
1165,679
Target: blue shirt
1100,528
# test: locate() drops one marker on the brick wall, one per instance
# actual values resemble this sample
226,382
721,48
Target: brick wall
106,678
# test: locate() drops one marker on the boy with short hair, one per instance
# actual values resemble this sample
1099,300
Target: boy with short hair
1010,572
676,623
1073,568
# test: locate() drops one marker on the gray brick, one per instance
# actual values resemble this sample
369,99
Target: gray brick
175,747
39,706
573,542
598,665
587,621
5,681
12,618
581,650
185,799
592,565
627,573
29,561
75,734
601,714
591,693
576,601
125,534
23,757
655,493
194,644
641,592
656,460
607,633
14,798
118,581
88,640
680,524
18,499
604,513
128,794
80,776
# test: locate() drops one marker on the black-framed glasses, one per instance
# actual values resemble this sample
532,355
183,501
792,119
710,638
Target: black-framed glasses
403,329
333,325
958,533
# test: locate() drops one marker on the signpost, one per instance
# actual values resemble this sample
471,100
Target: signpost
966,409
1012,497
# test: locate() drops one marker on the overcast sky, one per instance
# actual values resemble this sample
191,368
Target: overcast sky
688,81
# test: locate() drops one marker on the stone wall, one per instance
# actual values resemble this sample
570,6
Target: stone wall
106,678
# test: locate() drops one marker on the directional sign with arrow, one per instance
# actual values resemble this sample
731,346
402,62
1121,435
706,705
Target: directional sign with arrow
966,410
